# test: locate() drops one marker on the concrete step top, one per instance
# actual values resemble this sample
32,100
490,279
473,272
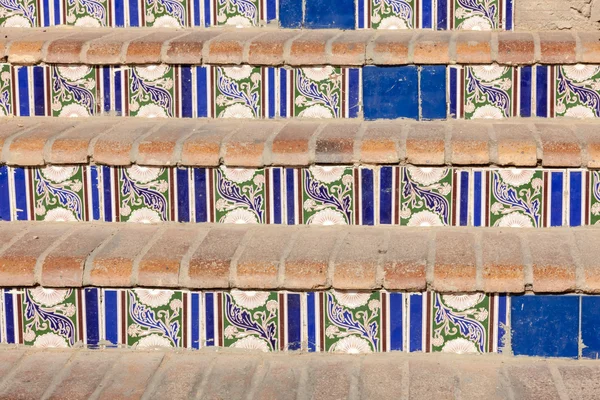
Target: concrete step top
210,256
36,141
206,374
272,46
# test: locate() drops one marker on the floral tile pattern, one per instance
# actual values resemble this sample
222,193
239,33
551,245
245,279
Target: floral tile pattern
73,91
59,193
239,92
481,15
144,194
488,92
578,91
240,195
426,197
152,91
87,13
328,195
388,14
19,14
6,104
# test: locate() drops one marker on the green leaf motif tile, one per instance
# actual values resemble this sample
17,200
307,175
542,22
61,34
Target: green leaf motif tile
6,107
460,323
481,15
20,14
50,317
251,320
73,91
390,14
87,13
144,194
151,91
577,91
318,92
426,196
238,92
352,322
595,198
166,13
59,193
328,195
154,318
240,13
516,198
488,92
239,195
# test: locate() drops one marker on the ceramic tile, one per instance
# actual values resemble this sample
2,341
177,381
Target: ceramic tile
151,91
432,92
5,214
391,92
239,195
486,91
60,193
577,91
387,14
590,328
327,195
323,14
145,194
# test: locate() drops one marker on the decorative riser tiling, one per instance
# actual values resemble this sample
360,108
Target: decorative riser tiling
347,14
426,93
329,195
535,325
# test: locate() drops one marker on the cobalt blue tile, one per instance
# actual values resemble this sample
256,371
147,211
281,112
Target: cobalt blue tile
545,326
4,194
290,13
390,92
590,326
432,92
321,14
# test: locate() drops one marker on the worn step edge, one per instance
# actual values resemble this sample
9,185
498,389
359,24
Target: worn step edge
37,141
217,256
272,46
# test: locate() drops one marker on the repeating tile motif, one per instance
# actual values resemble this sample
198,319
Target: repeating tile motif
145,194
87,13
151,91
240,195
327,195
577,91
73,91
59,193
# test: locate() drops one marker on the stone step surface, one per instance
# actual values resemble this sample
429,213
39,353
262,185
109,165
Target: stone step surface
147,374
271,46
208,256
37,141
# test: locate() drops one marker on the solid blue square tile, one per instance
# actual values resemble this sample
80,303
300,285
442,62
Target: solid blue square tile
290,13
321,14
432,92
4,194
390,92
590,326
545,326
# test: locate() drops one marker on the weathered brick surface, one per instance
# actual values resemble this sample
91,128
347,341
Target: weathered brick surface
282,380
516,48
470,144
589,47
310,48
130,376
203,147
532,381
180,376
30,49
67,50
587,246
560,147
116,146
381,143
227,48
291,146
503,264
73,145
148,49
160,148
390,48
330,379
12,128
230,377
350,48
557,48
580,381
187,49
425,144
269,48
454,268
552,262
473,47
248,147
110,49
27,149
432,48
406,260
335,143
357,261
515,145
590,145
431,380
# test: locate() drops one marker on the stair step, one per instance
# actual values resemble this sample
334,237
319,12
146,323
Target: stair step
209,256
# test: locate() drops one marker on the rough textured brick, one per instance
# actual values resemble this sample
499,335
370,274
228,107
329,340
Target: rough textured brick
248,147
129,377
560,146
209,265
379,378
112,265
335,143
268,48
473,47
590,47
258,265
228,48
470,144
64,265
425,144
291,145
9,359
9,35
109,49
350,48
282,379
517,48
553,265
531,382
230,377
432,48
115,147
557,48
30,49
203,148
356,263
587,241
148,49
431,380
310,48
160,147
590,143
330,378
72,145
180,376
406,259
159,267
307,264
503,268
481,380
188,49
380,143
10,128
67,50
581,381
454,267
390,48
27,149
516,145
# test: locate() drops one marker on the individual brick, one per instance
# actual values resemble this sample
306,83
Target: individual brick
11,232
148,49
64,265
552,263
532,381
10,35
209,265
30,49
357,260
187,49
109,50
515,145
269,48
310,48
429,379
335,143
228,48
248,146
67,50
291,146
331,377
432,48
180,375
159,267
390,48
131,375
230,377
406,259
203,147
560,146
112,265
72,145
307,264
116,146
425,143
27,149
557,48
159,148
590,145
9,358
454,268
470,144
581,381
589,47
379,143
350,48
258,265
503,269
516,48
587,241
282,380
473,47
13,128
379,377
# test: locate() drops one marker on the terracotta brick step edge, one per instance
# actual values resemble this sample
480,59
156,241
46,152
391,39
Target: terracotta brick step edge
271,46
217,256
36,141
213,373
